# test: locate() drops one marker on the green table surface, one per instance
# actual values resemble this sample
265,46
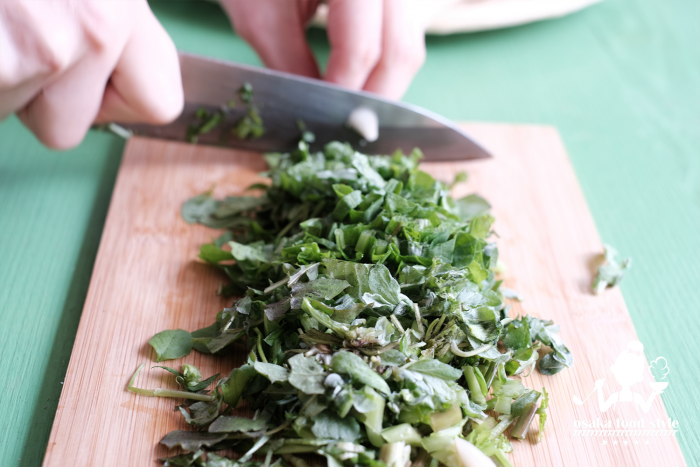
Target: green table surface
620,80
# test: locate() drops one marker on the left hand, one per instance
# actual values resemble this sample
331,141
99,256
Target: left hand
376,45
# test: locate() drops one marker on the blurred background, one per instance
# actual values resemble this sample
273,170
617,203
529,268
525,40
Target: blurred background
620,80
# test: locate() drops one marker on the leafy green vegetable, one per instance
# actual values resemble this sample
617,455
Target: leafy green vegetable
227,424
307,375
611,273
190,378
250,125
191,440
170,345
274,373
371,316
329,425
353,366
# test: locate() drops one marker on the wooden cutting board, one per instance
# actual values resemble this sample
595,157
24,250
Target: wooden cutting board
147,278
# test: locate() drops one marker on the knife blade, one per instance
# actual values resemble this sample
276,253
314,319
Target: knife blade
283,99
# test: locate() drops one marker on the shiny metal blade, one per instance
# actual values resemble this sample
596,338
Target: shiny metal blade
283,100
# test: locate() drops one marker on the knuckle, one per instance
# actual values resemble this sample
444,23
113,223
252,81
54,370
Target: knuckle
102,25
165,113
56,61
367,55
411,56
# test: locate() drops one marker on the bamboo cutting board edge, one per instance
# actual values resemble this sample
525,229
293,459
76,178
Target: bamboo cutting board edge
97,420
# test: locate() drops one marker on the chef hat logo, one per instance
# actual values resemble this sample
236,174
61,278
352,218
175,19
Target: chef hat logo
629,365
659,368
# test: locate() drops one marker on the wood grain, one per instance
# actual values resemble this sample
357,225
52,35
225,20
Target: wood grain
146,279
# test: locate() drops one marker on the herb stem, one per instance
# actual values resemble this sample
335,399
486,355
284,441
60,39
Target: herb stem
476,351
295,461
431,326
397,324
448,328
523,423
277,284
380,350
278,429
160,392
506,421
456,351
473,385
416,310
490,374
439,324
260,349
443,351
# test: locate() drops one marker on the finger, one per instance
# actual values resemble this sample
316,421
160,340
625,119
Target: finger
403,51
37,43
63,111
276,30
355,33
146,85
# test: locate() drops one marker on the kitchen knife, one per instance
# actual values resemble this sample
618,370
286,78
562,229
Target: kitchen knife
283,100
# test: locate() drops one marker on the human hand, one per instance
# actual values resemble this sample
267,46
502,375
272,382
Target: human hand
599,384
67,64
376,45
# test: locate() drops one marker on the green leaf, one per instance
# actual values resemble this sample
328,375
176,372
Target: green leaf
384,288
213,254
307,374
472,206
517,335
350,364
230,424
393,357
548,365
191,440
199,208
246,253
170,370
170,345
202,384
209,331
201,413
330,426
236,383
275,373
437,369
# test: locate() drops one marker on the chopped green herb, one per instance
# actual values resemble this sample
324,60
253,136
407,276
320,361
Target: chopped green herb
248,126
368,303
170,345
611,273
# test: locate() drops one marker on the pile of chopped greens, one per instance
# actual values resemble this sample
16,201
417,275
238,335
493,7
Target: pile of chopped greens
375,328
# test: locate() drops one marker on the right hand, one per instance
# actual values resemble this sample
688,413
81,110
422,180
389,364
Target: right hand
599,384
65,65
376,45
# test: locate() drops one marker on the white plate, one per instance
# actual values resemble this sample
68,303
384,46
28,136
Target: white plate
453,16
